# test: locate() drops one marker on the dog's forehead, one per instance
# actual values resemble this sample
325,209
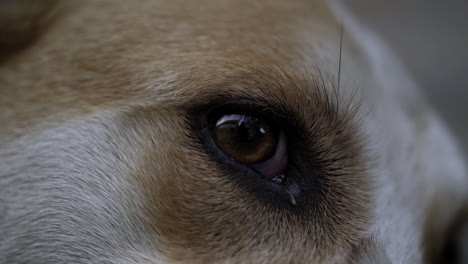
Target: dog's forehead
138,51
160,37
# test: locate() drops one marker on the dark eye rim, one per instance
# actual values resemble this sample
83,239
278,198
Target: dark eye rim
300,159
247,176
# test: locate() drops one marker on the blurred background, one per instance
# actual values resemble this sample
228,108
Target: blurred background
431,37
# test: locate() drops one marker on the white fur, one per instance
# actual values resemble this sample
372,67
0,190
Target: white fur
65,189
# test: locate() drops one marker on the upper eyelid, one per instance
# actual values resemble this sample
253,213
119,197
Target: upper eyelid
222,104
234,101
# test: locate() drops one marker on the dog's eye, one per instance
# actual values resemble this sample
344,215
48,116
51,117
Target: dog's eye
246,138
253,141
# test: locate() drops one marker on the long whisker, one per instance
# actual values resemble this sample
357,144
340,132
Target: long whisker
339,63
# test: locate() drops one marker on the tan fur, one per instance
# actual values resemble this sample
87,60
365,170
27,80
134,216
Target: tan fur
102,162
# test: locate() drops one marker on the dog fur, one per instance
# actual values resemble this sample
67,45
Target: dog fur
102,160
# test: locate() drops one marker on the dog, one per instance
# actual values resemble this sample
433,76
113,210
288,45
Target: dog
233,131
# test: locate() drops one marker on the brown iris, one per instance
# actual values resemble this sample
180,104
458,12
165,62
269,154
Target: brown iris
247,139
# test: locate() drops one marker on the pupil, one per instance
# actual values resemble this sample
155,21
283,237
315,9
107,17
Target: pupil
249,130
